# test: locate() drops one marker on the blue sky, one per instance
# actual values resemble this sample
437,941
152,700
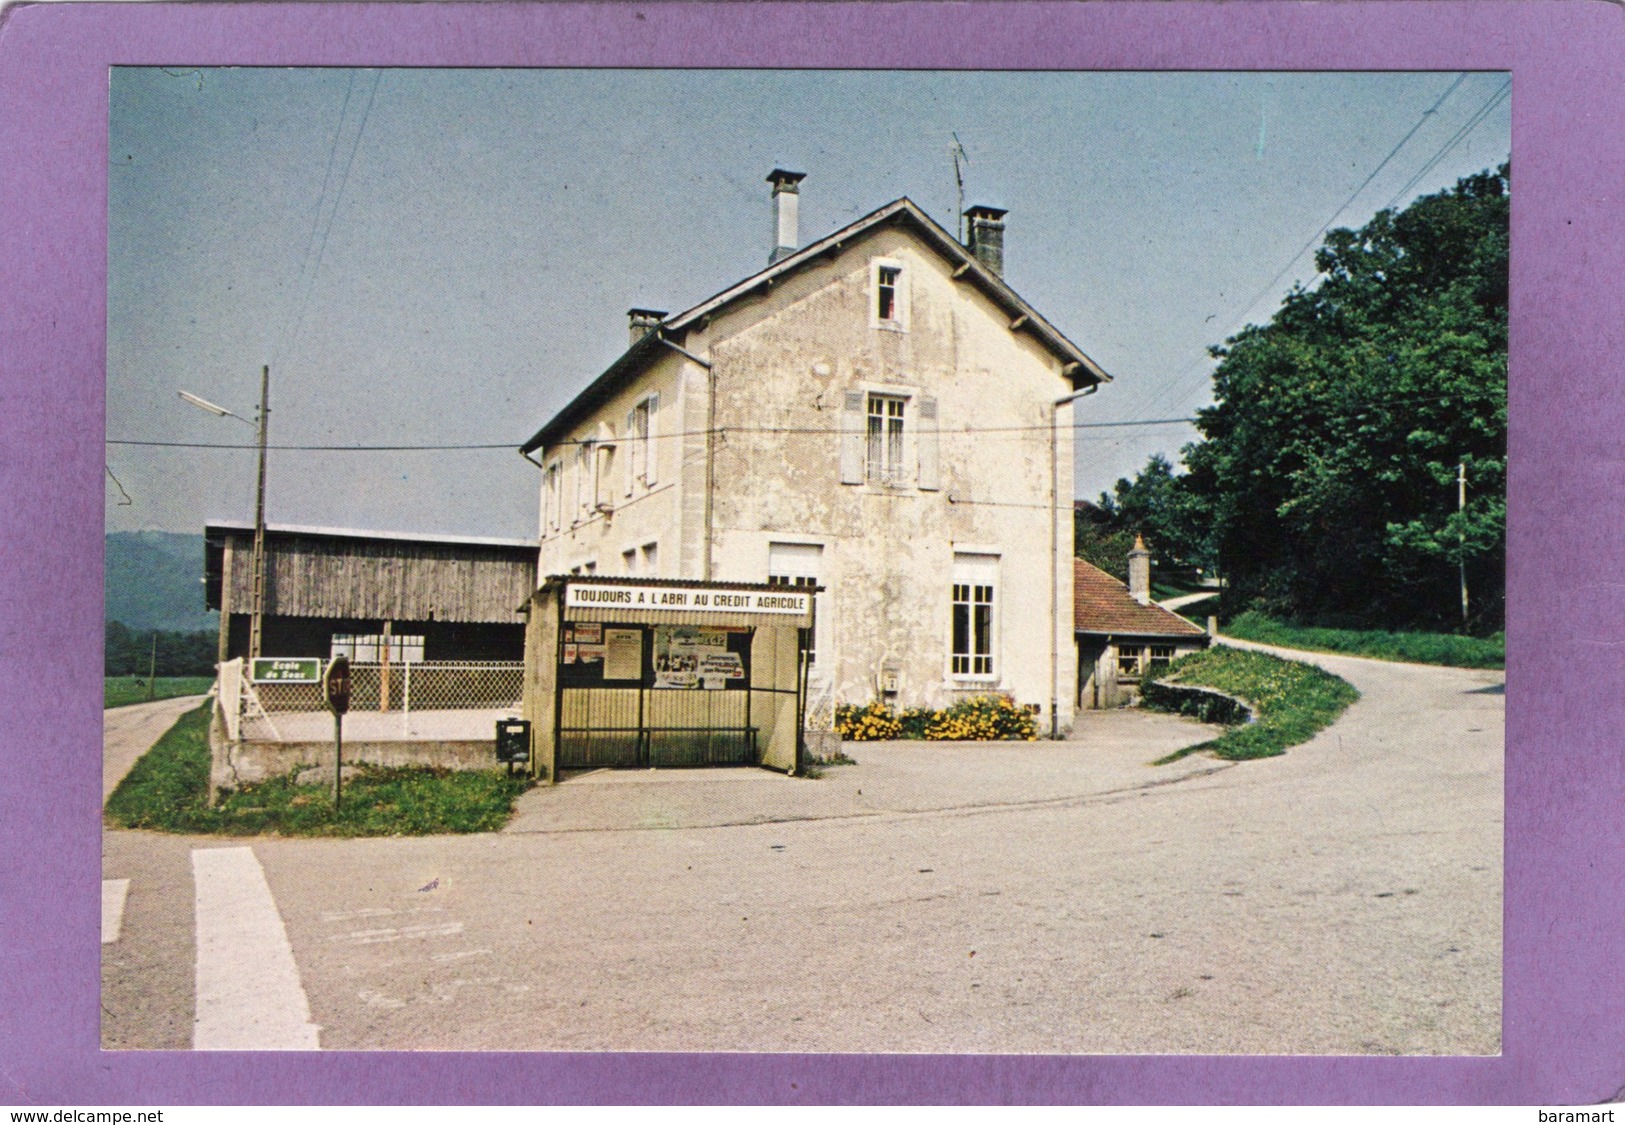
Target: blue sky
445,257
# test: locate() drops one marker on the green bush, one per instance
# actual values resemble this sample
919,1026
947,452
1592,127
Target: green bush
1291,701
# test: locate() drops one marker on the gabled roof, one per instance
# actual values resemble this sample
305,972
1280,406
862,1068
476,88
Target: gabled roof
1102,604
1081,370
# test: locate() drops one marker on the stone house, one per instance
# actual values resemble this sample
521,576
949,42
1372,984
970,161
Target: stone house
876,414
1121,632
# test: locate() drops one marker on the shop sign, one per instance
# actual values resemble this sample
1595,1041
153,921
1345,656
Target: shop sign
687,599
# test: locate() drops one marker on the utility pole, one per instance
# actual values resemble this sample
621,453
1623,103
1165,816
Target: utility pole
1461,508
256,623
152,669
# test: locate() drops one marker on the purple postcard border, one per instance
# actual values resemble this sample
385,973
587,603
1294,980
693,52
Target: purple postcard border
1565,836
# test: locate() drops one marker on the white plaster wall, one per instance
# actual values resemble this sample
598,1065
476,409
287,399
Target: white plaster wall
651,513
783,362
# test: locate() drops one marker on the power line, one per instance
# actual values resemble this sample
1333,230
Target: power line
777,431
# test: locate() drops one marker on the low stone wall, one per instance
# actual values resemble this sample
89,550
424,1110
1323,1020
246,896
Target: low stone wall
235,764
1204,703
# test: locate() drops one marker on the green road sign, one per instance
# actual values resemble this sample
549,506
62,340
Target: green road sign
286,670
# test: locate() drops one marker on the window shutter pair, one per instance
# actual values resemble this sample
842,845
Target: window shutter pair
640,448
853,450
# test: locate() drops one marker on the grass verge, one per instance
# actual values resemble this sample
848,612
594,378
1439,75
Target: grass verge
121,691
168,790
1413,648
1290,701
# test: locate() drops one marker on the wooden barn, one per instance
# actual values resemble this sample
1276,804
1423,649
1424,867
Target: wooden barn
423,598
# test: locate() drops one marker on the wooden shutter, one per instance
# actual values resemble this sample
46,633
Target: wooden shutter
651,449
852,450
925,441
630,459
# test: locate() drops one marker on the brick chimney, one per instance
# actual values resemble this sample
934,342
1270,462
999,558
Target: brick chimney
984,236
786,212
643,321
1139,572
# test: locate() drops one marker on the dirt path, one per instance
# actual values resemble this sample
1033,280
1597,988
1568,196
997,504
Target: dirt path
129,732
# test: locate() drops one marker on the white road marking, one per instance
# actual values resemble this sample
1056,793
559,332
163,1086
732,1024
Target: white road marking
249,997
114,892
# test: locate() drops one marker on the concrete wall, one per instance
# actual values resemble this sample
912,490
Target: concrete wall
235,764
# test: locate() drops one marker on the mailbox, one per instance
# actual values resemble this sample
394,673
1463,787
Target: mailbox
513,741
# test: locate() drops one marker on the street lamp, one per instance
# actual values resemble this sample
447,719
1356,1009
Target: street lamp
256,621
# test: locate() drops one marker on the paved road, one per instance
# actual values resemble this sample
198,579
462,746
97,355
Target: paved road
129,732
1344,898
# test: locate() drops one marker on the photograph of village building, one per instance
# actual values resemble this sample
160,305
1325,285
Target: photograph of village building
715,583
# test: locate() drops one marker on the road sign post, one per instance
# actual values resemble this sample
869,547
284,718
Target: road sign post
336,690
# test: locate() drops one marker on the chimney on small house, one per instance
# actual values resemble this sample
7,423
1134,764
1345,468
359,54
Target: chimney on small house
786,212
643,321
1139,572
984,236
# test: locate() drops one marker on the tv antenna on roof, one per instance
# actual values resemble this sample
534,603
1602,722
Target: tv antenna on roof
957,151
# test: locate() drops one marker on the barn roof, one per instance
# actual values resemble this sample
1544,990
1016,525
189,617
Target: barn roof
350,573
1102,604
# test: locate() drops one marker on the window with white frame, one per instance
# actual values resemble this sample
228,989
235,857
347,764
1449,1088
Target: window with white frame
800,564
974,626
370,649
1162,655
1130,660
888,306
884,461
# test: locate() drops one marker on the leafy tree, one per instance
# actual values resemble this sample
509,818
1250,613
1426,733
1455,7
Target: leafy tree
1163,507
1099,540
1330,455
127,652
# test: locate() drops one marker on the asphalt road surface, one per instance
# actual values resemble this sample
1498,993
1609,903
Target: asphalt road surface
1044,897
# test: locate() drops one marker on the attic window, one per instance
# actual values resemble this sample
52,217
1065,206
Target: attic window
887,279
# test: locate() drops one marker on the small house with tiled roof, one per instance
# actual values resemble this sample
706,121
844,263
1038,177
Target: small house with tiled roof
1121,632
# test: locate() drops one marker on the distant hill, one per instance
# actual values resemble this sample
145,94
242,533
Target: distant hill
155,581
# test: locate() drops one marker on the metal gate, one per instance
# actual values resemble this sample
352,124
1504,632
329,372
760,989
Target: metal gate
699,696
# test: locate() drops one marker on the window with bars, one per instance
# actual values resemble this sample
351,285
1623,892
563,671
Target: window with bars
885,440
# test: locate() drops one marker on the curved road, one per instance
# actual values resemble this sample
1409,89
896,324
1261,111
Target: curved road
1344,898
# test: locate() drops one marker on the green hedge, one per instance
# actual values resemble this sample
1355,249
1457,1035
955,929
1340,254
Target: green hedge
1413,648
1291,701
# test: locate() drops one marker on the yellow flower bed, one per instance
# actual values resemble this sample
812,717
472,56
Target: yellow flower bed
992,717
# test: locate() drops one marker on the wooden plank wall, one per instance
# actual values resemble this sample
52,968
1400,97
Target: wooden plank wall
307,576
